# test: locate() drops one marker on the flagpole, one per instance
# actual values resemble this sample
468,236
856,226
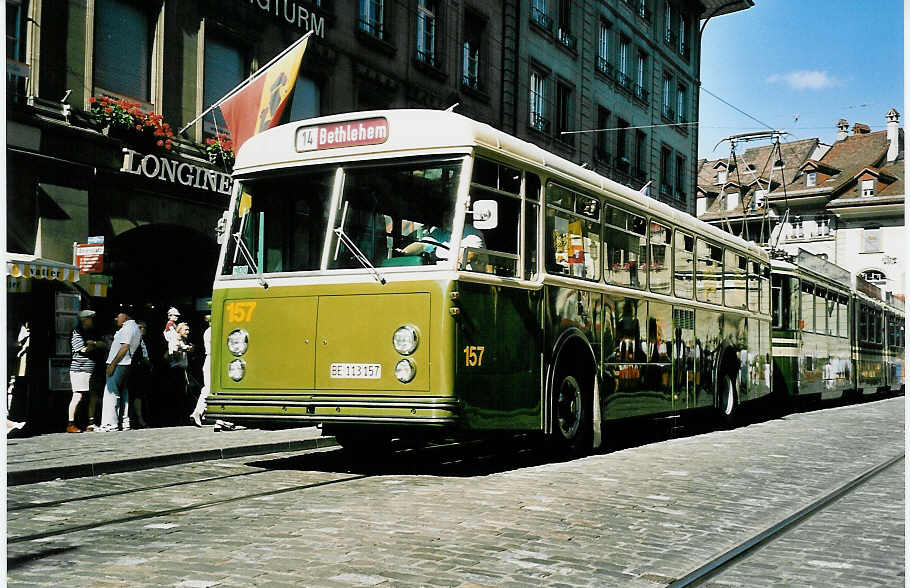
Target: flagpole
247,81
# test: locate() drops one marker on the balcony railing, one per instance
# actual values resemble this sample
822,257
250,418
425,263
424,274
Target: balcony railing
430,58
541,19
668,113
605,67
623,80
538,122
670,38
567,39
372,27
471,81
640,92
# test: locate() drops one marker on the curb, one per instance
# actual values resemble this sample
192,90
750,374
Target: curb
133,464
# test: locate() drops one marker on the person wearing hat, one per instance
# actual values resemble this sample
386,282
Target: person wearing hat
114,408
170,329
85,348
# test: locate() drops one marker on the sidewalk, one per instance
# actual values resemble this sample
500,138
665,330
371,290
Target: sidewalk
67,455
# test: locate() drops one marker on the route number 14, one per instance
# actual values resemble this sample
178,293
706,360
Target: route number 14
473,355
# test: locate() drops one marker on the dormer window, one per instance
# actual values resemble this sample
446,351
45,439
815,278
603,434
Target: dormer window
778,164
867,188
721,176
811,179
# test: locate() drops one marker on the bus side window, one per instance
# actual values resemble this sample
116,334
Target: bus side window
572,233
532,218
734,280
807,308
683,264
765,302
626,242
709,272
821,325
753,285
660,258
499,253
843,323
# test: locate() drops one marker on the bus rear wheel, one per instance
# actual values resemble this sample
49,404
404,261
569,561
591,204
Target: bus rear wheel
727,402
571,414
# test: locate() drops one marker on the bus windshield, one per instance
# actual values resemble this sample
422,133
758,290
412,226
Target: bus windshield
395,214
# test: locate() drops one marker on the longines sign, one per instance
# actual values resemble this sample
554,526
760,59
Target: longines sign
293,13
175,172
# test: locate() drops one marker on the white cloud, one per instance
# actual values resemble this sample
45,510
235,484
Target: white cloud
805,80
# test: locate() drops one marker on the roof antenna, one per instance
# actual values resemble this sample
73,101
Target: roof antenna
452,108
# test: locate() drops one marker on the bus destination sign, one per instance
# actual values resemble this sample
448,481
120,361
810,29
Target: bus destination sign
371,131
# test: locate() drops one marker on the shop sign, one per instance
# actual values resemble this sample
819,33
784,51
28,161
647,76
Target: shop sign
89,258
293,13
371,131
98,285
175,172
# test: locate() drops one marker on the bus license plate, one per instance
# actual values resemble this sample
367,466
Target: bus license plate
362,371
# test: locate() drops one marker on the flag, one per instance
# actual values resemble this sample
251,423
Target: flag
260,104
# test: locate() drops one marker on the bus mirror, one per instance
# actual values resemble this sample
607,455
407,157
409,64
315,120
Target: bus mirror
221,229
486,214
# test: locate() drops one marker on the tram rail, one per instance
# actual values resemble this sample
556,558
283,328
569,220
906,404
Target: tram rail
743,549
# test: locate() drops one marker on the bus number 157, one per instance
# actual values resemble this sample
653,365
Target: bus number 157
473,355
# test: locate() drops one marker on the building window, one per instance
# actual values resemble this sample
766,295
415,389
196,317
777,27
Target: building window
669,35
640,92
665,171
16,15
721,176
684,35
666,111
679,188
564,25
758,199
224,67
538,103
867,188
811,178
564,112
540,14
623,77
123,49
426,32
639,171
681,103
603,49
622,153
778,164
474,30
876,277
305,103
371,19
872,240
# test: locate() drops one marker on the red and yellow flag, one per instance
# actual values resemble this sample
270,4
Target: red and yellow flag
260,104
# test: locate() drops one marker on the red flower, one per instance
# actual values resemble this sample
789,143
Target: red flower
108,110
160,143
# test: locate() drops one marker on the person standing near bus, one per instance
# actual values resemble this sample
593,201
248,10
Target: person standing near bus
114,413
85,348
196,415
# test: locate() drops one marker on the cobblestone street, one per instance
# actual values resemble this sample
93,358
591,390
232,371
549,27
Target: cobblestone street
641,516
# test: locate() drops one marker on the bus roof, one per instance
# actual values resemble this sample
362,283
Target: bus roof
408,132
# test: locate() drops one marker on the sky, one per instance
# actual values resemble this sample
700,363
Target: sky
800,66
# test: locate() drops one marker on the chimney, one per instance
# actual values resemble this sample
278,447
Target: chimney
893,134
861,129
842,126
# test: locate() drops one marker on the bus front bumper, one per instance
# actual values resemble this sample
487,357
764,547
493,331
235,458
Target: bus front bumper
335,409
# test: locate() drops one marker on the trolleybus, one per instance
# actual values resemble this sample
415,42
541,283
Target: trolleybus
415,272
833,335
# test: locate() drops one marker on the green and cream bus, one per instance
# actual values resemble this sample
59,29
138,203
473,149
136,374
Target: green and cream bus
403,272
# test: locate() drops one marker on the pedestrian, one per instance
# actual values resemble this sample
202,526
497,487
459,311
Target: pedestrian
178,365
196,415
86,346
114,413
140,378
170,329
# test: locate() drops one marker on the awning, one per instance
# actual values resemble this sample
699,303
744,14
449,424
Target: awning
20,265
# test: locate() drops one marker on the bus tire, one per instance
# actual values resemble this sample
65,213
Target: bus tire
572,413
727,401
361,443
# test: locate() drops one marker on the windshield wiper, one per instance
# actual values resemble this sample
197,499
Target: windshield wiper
358,254
242,248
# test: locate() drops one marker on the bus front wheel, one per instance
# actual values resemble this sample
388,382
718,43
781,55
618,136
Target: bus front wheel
727,401
571,414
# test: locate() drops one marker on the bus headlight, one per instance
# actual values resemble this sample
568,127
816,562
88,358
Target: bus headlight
405,370
405,340
238,341
237,369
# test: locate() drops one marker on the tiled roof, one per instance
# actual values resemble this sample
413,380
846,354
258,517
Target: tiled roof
793,154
